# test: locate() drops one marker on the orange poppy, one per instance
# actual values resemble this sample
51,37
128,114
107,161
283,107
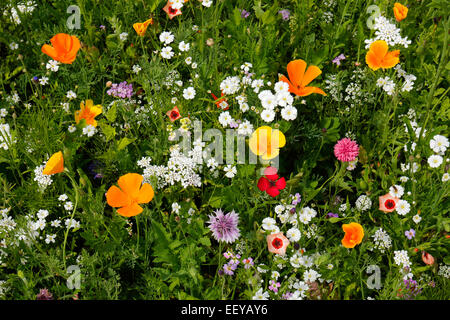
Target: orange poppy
141,27
277,243
354,233
64,48
299,79
130,194
400,11
266,142
388,202
378,56
88,112
55,164
171,12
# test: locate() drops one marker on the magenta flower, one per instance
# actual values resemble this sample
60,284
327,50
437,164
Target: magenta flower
248,263
224,226
274,286
338,59
44,294
346,150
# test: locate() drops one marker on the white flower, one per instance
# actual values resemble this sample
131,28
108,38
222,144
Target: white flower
268,223
435,161
230,171
183,46
304,218
123,36
445,177
268,115
402,207
225,118
310,275
261,295
244,107
188,60
230,85
396,191
289,113
245,128
404,179
136,68
166,36
293,234
189,93
279,209
268,99
167,52
177,4
52,65
257,84
42,214
439,144
401,258
68,205
417,218
13,46
43,81
71,95
284,99
63,197
55,223
281,86
194,65
176,207
72,128
89,130
50,238
207,3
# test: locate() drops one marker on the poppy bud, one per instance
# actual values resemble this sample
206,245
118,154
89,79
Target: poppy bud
427,258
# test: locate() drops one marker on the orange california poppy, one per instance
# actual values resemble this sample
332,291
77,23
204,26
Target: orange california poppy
55,164
171,12
400,11
378,56
354,233
88,112
141,27
388,202
130,194
299,79
266,142
64,48
277,243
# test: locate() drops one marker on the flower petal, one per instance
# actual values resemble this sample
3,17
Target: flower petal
117,198
131,210
146,194
130,184
312,73
263,184
296,71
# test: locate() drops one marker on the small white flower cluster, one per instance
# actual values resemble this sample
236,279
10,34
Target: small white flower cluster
387,84
230,85
180,168
403,207
409,78
167,37
53,65
306,214
43,180
382,240
261,295
301,260
300,289
23,8
334,87
355,96
363,203
282,98
89,130
387,31
444,271
401,258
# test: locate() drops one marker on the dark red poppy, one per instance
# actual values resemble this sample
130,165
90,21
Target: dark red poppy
270,183
222,103
174,114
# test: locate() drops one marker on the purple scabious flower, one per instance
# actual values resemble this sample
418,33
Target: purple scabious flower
224,226
285,14
244,13
121,90
332,215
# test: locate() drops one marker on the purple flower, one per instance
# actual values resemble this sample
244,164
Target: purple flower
224,226
285,14
248,263
228,269
102,27
44,294
411,233
332,215
244,14
121,90
234,125
297,198
287,295
274,286
338,59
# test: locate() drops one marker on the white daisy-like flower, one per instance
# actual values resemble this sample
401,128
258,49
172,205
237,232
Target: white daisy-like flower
417,218
230,171
435,161
89,130
268,223
293,234
225,119
189,93
261,295
289,113
268,115
281,86
403,207
445,177
136,69
176,207
183,46
439,144
396,191
167,37
123,36
167,53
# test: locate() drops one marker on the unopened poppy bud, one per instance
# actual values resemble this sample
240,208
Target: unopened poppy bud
108,84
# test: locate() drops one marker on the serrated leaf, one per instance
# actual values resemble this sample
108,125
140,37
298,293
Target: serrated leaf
123,143
111,114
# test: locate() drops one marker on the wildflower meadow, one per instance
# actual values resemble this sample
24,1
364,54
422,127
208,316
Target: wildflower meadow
224,150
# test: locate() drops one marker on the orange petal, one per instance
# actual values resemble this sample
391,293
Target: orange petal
309,90
145,194
379,48
391,59
296,71
312,73
130,184
55,164
50,51
131,210
373,61
117,198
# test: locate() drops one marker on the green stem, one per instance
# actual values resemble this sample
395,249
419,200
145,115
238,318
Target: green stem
75,187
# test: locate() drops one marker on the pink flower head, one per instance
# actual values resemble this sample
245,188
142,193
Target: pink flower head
277,243
346,150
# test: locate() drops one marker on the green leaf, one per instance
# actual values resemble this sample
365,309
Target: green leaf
205,241
124,142
107,130
111,114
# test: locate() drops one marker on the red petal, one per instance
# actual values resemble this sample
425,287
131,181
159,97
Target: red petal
263,184
281,184
273,191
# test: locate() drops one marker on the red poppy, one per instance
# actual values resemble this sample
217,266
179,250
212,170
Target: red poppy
174,114
270,182
171,12
222,103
